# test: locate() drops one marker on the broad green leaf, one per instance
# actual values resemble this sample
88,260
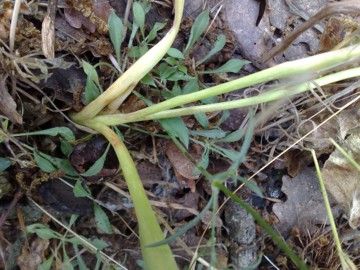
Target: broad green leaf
165,71
4,164
177,128
173,52
64,132
43,163
233,65
219,44
191,86
202,119
152,35
116,32
139,16
101,219
98,165
138,51
148,80
79,190
179,76
199,26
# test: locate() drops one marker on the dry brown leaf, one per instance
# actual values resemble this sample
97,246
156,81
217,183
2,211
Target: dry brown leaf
31,259
8,105
304,206
183,166
343,180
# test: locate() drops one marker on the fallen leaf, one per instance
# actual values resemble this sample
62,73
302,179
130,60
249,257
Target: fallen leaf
7,104
304,206
343,180
31,259
183,166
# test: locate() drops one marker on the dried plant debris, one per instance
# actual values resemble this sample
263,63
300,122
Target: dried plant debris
60,197
304,206
7,104
342,179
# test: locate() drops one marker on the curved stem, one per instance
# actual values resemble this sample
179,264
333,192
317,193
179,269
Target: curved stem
149,230
122,87
276,94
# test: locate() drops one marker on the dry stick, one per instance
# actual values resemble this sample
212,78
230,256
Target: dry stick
351,7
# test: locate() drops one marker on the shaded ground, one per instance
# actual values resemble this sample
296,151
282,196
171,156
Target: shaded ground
38,91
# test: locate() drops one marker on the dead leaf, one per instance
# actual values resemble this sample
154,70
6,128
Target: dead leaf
31,259
183,166
304,206
7,104
343,180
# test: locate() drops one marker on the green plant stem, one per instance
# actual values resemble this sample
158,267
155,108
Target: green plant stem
122,87
346,263
149,230
159,111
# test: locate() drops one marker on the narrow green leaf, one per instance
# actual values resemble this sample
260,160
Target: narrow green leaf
233,65
219,44
91,72
153,33
64,132
66,264
139,16
211,134
204,162
187,227
91,91
199,26
98,165
101,219
273,234
116,32
234,136
46,265
43,163
202,119
251,185
99,244
173,52
65,147
4,164
47,234
79,190
165,71
177,128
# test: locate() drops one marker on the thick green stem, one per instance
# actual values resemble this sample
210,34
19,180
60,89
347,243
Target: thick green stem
150,232
276,94
122,87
